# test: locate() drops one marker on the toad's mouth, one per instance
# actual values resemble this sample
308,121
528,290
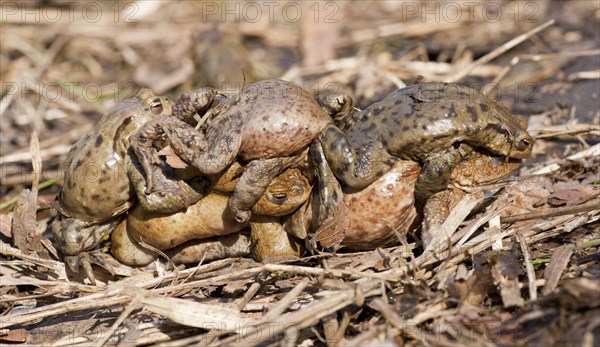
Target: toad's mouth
496,159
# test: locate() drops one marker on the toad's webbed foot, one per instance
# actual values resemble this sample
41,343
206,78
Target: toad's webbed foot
253,183
192,102
82,264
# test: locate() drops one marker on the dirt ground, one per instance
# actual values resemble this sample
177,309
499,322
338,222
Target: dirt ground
522,271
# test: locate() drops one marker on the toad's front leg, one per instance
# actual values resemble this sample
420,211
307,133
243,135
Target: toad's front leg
436,171
330,191
252,184
184,139
193,102
170,195
436,211
270,241
356,168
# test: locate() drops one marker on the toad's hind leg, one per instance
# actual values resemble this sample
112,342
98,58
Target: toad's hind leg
436,211
253,183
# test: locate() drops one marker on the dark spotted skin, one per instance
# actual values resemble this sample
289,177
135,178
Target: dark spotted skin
267,124
435,124
102,177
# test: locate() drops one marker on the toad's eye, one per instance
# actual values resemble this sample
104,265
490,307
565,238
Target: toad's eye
278,198
523,144
156,106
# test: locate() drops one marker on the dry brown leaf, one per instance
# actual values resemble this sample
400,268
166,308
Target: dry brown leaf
234,285
5,224
23,221
358,261
526,196
333,230
506,271
172,158
577,195
564,197
558,263
17,335
195,314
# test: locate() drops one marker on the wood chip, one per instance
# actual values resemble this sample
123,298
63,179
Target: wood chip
553,272
23,221
506,271
195,314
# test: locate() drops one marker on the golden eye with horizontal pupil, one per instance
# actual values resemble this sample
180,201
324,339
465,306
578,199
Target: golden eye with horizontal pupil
278,198
156,106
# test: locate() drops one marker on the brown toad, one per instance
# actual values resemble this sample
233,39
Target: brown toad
479,169
378,214
435,124
268,125
209,219
372,217
102,177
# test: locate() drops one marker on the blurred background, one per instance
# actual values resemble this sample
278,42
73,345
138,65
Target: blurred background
64,64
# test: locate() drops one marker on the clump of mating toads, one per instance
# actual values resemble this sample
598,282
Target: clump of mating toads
102,177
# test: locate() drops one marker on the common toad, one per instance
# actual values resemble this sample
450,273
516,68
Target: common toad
435,124
210,217
267,124
102,177
371,217
478,169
